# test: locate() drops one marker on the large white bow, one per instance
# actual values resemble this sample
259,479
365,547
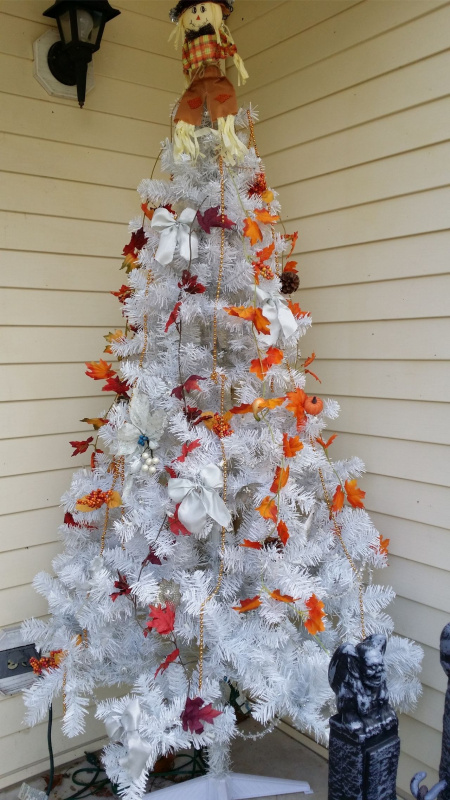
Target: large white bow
127,725
199,500
281,318
175,231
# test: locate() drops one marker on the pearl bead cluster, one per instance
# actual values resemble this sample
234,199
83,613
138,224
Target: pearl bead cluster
149,461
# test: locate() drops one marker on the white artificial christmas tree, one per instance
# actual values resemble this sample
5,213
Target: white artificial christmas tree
214,541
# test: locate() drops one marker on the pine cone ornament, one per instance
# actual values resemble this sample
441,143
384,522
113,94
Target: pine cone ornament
289,282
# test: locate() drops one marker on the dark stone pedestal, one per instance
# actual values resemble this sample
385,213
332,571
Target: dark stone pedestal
362,767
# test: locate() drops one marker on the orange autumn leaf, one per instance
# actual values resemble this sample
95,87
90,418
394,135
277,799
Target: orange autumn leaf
262,215
99,371
97,422
296,405
248,605
282,598
292,238
266,252
280,480
261,366
309,360
290,266
252,231
296,310
291,446
272,403
326,444
338,500
268,509
314,624
250,314
383,545
147,211
244,408
251,545
283,532
354,494
316,377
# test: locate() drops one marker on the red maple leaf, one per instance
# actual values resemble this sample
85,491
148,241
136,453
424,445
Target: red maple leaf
117,386
69,520
186,449
170,658
171,472
123,294
151,558
136,243
195,712
280,480
212,218
190,283
251,545
176,526
122,586
192,413
188,386
81,447
173,316
162,619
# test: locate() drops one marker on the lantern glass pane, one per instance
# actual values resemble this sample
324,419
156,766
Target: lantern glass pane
85,25
97,18
65,29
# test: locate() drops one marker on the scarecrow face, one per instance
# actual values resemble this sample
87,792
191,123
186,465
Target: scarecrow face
198,16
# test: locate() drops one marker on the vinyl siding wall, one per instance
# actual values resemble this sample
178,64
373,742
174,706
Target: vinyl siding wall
67,190
354,132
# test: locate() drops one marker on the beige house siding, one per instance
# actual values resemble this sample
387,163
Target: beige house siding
67,191
354,132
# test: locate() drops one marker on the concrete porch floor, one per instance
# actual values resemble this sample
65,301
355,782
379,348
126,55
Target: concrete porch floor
275,755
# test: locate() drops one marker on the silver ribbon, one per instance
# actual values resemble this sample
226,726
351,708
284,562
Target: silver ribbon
281,318
127,726
199,500
175,231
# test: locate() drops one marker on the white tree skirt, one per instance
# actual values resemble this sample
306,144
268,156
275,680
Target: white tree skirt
233,786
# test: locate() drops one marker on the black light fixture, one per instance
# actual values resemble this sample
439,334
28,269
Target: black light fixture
81,24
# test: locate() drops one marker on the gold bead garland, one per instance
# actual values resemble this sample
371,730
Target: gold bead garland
220,274
222,549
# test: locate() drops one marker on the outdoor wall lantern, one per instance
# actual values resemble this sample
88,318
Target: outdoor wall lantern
81,24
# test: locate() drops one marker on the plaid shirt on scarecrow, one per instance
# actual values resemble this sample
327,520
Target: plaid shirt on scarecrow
205,50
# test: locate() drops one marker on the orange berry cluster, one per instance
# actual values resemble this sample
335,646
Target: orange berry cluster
266,272
46,662
221,427
97,497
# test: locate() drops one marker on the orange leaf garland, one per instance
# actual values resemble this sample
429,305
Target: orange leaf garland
248,605
291,446
96,422
244,408
314,624
147,211
383,545
338,500
282,598
309,360
266,252
292,238
252,231
280,480
252,545
250,314
268,509
354,494
283,532
296,405
100,370
263,216
290,266
296,310
326,445
261,366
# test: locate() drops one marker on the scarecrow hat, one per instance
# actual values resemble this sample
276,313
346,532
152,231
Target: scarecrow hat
176,12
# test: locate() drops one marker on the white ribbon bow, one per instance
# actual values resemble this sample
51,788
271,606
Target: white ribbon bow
175,231
200,500
281,318
127,725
